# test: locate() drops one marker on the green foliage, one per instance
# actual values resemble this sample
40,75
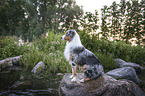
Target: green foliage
89,22
104,24
124,21
106,60
49,49
10,47
70,13
115,49
31,18
5,41
50,42
11,16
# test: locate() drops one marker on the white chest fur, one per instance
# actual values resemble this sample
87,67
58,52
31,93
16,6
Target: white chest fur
71,45
67,51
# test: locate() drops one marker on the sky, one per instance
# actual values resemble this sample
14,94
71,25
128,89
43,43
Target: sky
92,5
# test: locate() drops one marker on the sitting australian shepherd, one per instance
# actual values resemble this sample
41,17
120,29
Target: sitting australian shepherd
79,56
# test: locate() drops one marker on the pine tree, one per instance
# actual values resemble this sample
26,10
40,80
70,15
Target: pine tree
122,10
70,13
128,29
104,27
142,7
137,19
115,18
89,22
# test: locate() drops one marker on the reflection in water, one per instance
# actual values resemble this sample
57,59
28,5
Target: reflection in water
25,83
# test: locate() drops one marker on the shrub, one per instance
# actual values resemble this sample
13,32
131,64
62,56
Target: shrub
106,60
5,41
117,49
10,47
49,49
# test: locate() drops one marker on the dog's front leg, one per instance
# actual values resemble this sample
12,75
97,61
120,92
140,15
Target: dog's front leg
74,70
70,62
74,73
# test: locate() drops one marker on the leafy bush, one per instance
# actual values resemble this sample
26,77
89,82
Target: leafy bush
50,42
11,47
106,60
5,41
49,49
116,49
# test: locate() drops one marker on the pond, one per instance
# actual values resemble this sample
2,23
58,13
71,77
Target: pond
22,83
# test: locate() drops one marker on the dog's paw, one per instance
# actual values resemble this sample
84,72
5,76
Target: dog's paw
81,81
74,79
71,76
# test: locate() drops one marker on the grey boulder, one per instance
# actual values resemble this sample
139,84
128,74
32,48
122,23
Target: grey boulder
124,73
38,68
101,86
121,63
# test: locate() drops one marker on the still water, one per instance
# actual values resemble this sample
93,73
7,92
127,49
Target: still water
22,83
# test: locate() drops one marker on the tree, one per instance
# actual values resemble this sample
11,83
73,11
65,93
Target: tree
137,19
115,20
121,15
142,5
127,20
128,29
50,13
133,21
89,22
31,18
104,27
12,13
70,13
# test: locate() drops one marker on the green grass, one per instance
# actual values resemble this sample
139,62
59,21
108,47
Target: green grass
50,48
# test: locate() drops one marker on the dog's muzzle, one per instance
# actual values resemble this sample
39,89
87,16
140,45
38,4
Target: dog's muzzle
62,38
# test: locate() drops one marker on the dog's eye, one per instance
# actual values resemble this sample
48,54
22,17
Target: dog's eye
67,33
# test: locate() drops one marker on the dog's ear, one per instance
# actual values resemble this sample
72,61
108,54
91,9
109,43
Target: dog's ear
73,32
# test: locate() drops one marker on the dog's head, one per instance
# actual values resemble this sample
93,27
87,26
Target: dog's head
68,35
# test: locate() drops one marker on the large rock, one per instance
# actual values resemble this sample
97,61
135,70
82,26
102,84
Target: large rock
39,67
101,86
124,73
8,64
10,61
121,63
